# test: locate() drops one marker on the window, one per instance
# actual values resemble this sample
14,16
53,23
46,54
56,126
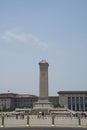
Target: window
69,102
81,103
73,103
77,103
85,103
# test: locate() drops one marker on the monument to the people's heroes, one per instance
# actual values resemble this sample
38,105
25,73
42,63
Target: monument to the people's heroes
43,85
43,102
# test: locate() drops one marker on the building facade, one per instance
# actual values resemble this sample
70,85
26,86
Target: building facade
74,100
12,100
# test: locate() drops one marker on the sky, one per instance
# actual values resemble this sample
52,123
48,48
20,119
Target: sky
35,30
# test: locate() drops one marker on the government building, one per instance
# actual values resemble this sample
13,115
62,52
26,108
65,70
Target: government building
13,100
74,100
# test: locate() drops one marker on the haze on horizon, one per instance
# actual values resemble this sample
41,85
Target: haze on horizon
32,30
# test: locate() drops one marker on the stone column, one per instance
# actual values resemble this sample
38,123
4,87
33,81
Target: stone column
43,85
75,104
71,103
79,104
83,103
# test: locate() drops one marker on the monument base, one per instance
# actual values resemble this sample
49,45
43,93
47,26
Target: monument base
46,107
42,106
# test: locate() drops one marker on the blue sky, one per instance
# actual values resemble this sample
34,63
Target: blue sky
32,30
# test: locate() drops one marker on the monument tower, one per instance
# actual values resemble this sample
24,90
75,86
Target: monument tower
43,103
43,85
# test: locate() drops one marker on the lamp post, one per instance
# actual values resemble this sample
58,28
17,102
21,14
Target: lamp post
2,116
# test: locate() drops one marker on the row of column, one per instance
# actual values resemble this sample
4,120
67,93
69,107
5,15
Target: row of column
77,103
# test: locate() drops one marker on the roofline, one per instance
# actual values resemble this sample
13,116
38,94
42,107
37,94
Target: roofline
14,95
72,92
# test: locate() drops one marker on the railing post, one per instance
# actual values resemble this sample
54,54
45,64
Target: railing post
28,120
2,121
79,120
17,116
53,120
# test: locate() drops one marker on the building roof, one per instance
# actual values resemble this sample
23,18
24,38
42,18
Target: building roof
7,95
72,92
15,95
26,96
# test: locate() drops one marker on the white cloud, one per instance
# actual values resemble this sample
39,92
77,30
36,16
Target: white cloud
9,36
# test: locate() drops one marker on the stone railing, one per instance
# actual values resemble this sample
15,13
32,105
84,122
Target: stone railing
33,120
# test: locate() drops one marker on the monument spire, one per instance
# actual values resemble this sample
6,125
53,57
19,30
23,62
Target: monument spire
43,82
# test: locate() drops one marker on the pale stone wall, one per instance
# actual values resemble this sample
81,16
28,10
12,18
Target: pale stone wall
63,100
5,103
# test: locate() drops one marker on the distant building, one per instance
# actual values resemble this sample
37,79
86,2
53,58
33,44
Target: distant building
74,100
13,100
54,100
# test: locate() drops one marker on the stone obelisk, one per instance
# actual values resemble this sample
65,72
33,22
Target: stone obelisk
43,85
43,103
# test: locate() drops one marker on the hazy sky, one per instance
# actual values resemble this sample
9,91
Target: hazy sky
32,30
